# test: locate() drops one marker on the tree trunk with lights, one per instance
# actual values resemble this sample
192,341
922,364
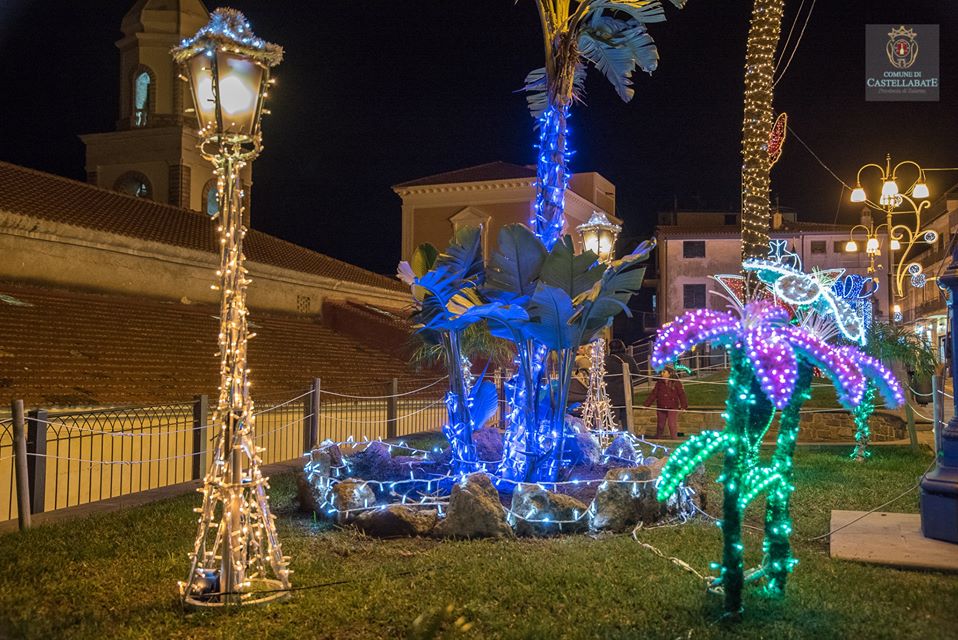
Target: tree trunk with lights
763,37
778,520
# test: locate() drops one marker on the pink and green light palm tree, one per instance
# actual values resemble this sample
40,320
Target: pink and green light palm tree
772,363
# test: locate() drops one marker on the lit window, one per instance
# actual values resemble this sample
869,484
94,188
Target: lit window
141,99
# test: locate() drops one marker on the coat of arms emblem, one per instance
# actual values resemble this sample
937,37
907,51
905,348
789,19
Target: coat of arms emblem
902,48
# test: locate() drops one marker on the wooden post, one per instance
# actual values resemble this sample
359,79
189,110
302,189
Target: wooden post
311,433
627,388
37,460
938,405
910,415
201,409
501,398
392,408
20,465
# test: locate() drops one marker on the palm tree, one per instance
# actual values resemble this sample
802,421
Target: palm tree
771,368
763,35
895,346
609,34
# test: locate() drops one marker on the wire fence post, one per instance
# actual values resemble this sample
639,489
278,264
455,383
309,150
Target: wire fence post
311,433
938,406
627,389
392,409
37,459
201,409
20,464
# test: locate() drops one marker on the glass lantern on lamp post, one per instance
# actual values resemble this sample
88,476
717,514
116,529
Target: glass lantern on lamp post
598,235
237,557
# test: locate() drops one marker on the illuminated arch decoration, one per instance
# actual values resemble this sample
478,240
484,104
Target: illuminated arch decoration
858,291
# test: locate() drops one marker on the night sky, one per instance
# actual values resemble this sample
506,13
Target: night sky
378,92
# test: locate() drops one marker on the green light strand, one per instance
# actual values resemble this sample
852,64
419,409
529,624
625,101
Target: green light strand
778,522
862,431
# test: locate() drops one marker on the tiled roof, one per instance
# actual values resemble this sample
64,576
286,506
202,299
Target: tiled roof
478,173
62,348
48,197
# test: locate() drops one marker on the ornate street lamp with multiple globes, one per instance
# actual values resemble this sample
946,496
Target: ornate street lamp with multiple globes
237,557
894,202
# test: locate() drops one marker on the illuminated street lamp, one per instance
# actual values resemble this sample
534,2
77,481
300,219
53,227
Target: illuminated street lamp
237,558
598,235
894,202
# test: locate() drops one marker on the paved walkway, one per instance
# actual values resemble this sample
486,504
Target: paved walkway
891,539
131,500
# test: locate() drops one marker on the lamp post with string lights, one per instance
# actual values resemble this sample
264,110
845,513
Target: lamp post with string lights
237,558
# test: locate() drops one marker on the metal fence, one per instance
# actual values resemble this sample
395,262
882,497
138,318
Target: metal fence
80,456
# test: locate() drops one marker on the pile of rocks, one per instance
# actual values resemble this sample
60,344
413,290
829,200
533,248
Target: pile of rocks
623,498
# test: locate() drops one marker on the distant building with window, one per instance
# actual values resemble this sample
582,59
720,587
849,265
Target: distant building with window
694,245
490,196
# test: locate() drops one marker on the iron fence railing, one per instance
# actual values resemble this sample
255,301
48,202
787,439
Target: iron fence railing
74,457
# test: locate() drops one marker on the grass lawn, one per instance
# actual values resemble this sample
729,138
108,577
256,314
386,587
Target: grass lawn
114,575
710,391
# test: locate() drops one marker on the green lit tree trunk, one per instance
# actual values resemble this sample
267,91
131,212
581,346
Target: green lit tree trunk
748,413
763,37
862,432
778,522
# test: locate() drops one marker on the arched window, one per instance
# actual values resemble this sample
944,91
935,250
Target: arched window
210,203
133,183
142,97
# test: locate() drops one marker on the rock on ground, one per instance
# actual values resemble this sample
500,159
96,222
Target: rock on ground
396,521
474,511
625,498
348,495
539,512
622,450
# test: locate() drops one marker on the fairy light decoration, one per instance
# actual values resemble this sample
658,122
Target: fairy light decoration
237,557
597,408
782,271
772,363
757,124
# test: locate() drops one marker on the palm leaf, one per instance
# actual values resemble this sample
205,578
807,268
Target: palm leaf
517,262
614,62
574,274
550,311
757,480
463,257
644,11
687,457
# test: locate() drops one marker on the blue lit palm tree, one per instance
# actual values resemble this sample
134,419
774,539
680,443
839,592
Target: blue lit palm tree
612,36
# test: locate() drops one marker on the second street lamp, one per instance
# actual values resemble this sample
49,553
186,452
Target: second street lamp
894,202
237,557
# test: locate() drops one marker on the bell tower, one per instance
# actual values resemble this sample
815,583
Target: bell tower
152,153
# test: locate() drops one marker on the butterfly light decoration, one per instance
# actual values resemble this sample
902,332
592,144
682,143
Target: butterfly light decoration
782,272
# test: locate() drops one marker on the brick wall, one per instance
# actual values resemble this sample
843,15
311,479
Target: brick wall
824,426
